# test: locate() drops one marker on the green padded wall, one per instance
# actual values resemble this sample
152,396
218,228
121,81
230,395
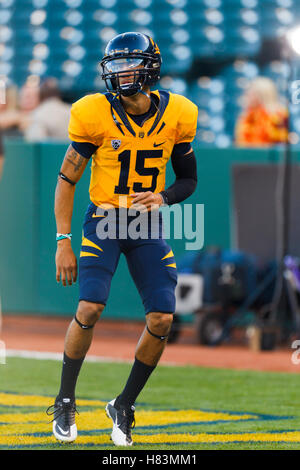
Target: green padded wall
27,225
18,228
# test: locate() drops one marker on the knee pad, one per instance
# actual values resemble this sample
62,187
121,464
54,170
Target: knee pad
162,338
84,327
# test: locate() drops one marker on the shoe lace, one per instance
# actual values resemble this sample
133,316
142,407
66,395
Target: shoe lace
66,409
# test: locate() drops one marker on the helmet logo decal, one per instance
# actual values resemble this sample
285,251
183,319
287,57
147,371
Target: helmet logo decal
156,48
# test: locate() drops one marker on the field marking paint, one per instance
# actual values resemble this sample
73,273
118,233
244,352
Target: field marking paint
20,441
13,399
32,428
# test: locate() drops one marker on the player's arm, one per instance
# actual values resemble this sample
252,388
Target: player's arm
72,168
185,168
183,158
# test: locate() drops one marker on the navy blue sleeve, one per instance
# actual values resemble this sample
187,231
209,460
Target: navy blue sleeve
181,149
185,169
85,149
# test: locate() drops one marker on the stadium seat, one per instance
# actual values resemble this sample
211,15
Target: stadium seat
208,41
173,84
241,68
67,38
177,59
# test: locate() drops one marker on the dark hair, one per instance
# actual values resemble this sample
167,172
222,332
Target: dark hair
49,89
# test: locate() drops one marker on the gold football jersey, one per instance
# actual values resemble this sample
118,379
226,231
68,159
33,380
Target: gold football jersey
130,158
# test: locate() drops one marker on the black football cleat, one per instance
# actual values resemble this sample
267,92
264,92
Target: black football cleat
123,422
64,427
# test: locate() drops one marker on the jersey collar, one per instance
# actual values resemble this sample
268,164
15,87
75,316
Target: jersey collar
116,106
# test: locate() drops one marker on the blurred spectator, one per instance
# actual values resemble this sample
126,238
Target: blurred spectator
264,120
29,99
50,119
9,119
14,114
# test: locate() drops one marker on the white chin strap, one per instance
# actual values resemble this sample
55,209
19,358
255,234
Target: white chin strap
144,93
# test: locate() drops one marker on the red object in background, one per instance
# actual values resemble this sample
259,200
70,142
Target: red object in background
259,127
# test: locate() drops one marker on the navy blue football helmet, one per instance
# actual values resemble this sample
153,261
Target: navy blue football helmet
132,56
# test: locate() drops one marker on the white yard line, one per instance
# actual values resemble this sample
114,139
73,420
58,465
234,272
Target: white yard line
54,356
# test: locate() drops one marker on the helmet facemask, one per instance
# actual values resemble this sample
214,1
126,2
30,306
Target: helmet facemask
137,68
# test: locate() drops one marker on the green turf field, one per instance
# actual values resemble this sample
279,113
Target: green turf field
181,407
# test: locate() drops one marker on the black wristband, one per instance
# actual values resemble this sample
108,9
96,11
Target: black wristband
65,178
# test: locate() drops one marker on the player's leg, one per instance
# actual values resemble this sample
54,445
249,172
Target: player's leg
148,352
153,269
97,264
77,343
154,338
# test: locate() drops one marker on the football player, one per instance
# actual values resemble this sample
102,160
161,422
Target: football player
130,133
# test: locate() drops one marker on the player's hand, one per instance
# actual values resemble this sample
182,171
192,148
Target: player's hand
146,201
66,263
